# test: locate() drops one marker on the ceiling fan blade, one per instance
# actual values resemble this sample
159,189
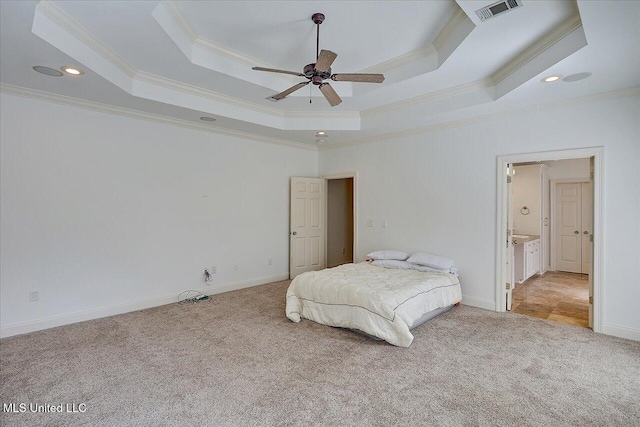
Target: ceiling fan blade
290,90
325,59
360,78
273,70
330,94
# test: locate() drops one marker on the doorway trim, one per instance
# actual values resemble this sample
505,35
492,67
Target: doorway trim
598,224
343,175
552,216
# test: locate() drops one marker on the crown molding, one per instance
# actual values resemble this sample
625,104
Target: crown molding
165,82
425,51
53,12
211,46
404,59
73,27
322,114
207,44
629,92
449,28
219,97
430,97
180,20
142,115
541,45
66,22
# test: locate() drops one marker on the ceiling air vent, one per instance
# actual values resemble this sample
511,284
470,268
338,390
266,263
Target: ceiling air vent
497,8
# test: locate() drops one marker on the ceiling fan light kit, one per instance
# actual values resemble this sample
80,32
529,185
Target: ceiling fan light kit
319,71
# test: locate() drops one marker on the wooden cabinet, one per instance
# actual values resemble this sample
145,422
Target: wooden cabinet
532,250
527,260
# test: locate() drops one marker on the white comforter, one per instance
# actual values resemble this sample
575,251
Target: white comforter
379,301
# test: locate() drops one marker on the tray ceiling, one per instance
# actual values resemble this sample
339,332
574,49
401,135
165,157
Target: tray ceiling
193,58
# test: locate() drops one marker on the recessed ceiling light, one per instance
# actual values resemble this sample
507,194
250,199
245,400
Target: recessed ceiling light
47,71
321,133
576,77
73,71
553,78
207,119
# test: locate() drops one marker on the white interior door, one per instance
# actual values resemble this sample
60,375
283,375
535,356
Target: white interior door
568,227
307,233
587,226
510,255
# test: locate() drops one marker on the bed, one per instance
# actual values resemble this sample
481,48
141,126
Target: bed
381,302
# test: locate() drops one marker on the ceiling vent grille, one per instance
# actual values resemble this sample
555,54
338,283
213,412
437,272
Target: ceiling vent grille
497,8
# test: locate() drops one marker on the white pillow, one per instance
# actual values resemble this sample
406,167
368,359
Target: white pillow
430,260
394,263
397,255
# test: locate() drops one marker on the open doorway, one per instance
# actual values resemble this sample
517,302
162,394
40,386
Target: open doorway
341,218
340,224
536,283
552,213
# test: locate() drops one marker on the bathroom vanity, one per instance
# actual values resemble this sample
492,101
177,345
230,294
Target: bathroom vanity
526,250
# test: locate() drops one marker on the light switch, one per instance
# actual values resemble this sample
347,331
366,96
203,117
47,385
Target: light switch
369,223
384,223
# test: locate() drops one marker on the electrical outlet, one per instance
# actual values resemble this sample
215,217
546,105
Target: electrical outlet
369,223
236,267
212,270
343,251
384,223
34,296
270,261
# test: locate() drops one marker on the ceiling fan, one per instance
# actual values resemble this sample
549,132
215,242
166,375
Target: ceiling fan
319,71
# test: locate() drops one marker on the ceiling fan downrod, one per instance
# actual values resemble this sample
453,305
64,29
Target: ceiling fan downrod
317,18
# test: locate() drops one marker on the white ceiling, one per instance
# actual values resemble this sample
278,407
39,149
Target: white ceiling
281,33
187,59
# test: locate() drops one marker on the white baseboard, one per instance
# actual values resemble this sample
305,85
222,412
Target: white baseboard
621,332
52,322
479,303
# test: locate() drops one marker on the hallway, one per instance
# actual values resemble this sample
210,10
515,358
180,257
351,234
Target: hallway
557,296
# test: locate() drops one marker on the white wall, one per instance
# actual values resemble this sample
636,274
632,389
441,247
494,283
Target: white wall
569,169
100,210
437,191
527,192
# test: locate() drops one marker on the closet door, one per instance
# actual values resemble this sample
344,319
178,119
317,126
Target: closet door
587,212
307,234
569,228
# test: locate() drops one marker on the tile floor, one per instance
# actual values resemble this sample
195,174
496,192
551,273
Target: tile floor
557,296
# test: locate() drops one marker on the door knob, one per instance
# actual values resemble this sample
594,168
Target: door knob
586,232
294,233
576,232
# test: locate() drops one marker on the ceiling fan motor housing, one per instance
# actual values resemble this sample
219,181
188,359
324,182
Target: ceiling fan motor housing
316,77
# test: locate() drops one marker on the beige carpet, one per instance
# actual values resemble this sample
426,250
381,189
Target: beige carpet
236,360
